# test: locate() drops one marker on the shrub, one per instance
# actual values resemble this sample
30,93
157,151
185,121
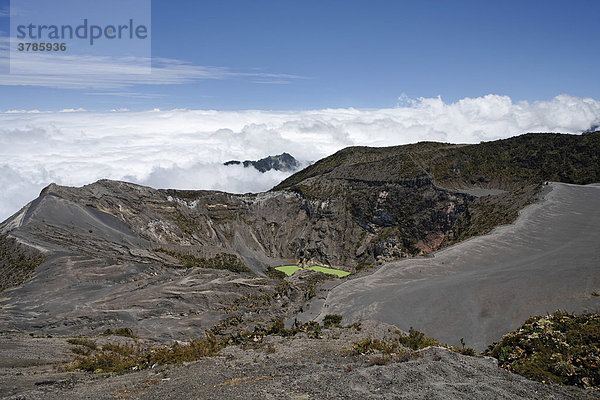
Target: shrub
82,351
312,329
111,358
186,352
127,332
17,263
416,340
221,261
369,345
124,358
275,274
278,328
561,347
332,320
467,351
83,342
392,349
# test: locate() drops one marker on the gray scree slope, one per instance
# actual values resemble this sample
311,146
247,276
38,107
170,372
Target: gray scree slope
485,287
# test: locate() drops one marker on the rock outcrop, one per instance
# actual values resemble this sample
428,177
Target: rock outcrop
284,162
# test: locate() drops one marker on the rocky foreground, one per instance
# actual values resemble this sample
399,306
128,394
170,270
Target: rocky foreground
337,365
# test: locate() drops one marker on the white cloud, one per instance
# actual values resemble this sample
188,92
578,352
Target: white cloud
185,148
22,111
216,176
106,73
19,188
71,110
135,95
113,74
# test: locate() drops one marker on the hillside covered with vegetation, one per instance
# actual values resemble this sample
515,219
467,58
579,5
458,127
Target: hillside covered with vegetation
400,193
525,159
562,347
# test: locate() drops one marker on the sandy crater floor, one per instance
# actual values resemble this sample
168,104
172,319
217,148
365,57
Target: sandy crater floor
549,259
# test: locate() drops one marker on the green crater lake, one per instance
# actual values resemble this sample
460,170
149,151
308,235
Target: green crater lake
290,269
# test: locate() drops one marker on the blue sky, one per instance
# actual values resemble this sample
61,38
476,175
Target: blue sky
247,79
284,55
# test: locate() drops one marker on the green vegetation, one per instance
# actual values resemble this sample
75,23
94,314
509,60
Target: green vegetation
16,264
369,345
123,358
251,338
488,212
275,274
384,164
332,320
130,357
415,340
467,351
384,351
310,282
187,224
562,347
221,261
251,301
530,158
192,351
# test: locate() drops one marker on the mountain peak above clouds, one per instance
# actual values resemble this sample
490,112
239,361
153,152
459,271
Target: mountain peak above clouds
283,162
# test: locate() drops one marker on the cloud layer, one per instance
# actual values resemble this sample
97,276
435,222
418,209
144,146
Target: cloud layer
186,148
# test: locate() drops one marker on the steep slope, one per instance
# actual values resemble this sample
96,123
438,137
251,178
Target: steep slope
102,268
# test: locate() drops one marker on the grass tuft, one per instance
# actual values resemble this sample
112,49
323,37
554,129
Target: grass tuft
332,320
120,358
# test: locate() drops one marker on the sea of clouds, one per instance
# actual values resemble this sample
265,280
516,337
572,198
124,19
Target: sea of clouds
186,148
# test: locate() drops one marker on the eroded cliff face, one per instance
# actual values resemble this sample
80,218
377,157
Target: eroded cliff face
111,260
361,223
118,254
